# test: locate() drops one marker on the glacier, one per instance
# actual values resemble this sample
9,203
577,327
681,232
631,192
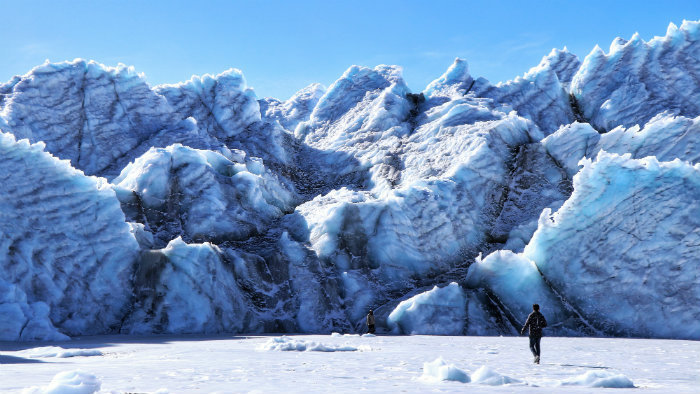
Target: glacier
198,207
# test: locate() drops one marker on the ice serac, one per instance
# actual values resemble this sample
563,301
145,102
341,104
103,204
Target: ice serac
64,244
22,320
540,94
97,117
363,114
188,288
627,236
297,109
455,82
202,195
205,288
571,143
421,229
226,109
448,310
665,137
636,80
222,104
564,63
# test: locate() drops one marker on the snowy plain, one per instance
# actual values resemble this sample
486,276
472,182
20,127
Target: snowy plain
242,364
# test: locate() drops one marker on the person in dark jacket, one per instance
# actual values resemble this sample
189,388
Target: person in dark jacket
370,322
535,323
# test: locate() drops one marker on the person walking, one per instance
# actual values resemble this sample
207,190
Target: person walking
535,323
370,322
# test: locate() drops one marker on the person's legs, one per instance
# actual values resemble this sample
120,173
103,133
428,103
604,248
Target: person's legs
536,350
533,343
371,328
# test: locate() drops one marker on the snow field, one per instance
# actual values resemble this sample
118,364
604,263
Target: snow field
394,364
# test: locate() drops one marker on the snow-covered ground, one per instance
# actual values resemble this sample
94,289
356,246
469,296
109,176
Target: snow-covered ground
348,363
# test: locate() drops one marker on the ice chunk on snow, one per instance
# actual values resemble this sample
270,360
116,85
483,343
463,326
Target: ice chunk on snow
440,370
486,375
290,344
59,352
69,382
439,311
599,379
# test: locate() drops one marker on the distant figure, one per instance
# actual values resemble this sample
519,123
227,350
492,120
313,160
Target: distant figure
370,322
535,322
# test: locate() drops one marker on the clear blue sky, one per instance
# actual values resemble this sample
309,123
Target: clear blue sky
283,46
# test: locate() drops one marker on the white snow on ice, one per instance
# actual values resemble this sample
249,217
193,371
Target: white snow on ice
394,364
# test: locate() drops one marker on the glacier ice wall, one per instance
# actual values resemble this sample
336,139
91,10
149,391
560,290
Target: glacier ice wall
65,243
230,213
622,248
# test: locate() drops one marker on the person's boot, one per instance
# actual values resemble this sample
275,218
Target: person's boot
537,359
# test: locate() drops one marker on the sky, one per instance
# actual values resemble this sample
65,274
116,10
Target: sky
282,46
